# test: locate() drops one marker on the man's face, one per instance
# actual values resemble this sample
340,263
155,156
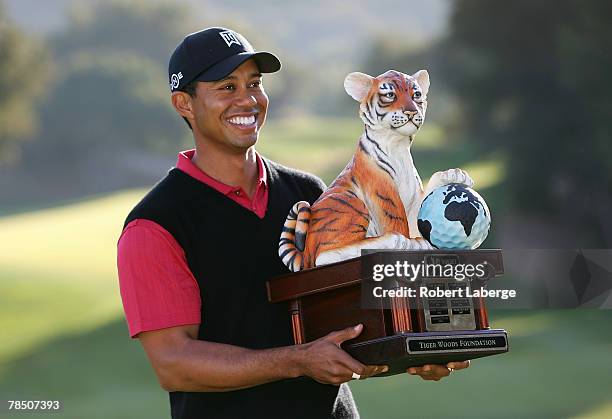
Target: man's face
230,112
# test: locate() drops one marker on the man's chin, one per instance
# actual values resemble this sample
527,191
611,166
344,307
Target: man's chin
245,142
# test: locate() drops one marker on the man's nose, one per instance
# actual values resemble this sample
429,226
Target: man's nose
247,99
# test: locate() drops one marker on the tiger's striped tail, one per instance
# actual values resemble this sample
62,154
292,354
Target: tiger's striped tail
293,237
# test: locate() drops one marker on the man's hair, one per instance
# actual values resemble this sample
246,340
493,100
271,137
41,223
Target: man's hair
190,89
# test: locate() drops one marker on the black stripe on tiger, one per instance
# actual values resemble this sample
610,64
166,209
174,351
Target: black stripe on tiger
316,220
362,147
386,199
384,169
286,252
348,204
329,209
325,227
300,241
290,262
361,228
370,114
319,244
375,144
381,160
393,216
325,230
293,236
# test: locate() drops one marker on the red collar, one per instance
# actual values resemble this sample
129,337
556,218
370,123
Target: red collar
185,164
258,203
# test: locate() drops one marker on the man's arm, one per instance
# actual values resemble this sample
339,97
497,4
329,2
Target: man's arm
184,363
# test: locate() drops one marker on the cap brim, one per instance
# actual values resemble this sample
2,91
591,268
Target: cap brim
266,62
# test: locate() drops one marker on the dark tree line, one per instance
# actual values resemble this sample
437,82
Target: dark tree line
534,80
529,80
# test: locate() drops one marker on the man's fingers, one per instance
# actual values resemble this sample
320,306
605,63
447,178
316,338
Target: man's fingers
458,365
430,371
363,371
346,334
371,370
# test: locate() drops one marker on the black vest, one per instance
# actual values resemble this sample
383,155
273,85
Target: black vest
232,252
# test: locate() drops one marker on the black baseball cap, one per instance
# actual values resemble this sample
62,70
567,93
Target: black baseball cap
213,53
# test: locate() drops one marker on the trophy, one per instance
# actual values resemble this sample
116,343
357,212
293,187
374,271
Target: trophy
377,248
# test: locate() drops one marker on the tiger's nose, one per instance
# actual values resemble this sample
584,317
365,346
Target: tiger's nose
410,114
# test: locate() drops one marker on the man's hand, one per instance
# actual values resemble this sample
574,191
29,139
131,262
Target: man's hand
431,372
324,360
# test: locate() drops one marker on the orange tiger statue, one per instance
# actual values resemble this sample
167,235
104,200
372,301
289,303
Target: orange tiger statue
375,200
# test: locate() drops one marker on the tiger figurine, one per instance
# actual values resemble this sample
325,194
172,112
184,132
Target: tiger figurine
375,200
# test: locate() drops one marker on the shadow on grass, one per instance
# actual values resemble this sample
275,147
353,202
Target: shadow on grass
99,374
558,366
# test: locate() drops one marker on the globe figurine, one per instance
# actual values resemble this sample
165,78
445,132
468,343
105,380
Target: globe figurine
454,216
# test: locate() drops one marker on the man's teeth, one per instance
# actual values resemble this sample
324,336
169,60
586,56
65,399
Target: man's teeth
243,120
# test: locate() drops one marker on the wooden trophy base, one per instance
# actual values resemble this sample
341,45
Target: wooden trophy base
405,350
400,332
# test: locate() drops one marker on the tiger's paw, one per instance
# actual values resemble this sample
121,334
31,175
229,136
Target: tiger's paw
450,176
419,244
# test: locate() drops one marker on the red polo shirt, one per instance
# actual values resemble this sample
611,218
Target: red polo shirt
157,288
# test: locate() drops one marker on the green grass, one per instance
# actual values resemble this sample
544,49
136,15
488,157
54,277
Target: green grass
64,337
558,366
58,270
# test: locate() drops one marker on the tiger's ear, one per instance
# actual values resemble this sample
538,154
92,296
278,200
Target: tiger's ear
358,85
422,77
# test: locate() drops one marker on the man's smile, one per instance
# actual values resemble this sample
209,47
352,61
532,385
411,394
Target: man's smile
243,121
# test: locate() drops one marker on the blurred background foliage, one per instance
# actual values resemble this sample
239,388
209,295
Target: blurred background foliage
519,97
521,84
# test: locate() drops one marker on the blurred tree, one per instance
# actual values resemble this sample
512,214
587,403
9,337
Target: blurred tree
108,102
532,80
24,72
111,93
149,29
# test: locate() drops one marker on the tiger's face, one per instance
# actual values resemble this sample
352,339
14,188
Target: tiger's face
393,100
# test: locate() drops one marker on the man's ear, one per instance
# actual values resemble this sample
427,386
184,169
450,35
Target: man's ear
422,77
358,85
181,102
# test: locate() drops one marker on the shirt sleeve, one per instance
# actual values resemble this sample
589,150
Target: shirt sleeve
157,288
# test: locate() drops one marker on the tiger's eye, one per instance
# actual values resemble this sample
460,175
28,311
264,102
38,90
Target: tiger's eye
417,95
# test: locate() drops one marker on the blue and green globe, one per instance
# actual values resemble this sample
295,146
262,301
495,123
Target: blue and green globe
454,216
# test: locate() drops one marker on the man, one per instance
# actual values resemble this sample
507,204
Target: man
195,253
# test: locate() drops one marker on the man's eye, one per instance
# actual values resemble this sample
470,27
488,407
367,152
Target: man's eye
256,83
229,87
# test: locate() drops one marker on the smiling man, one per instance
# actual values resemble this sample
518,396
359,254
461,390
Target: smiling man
195,253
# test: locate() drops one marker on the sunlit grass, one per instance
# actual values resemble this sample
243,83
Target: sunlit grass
601,411
559,369
58,270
